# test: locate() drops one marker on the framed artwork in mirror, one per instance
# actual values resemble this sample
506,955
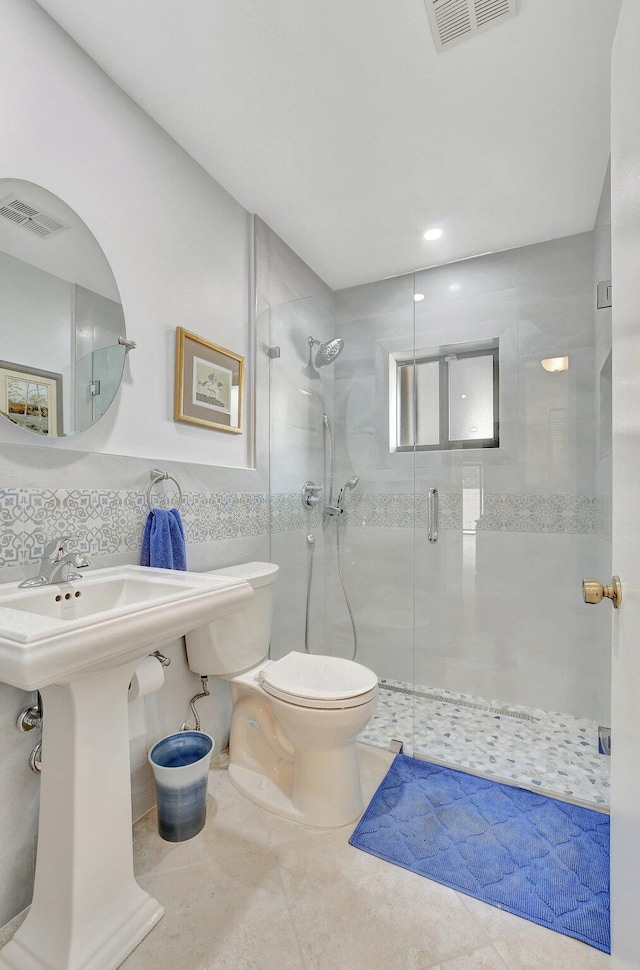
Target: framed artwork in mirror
31,398
209,383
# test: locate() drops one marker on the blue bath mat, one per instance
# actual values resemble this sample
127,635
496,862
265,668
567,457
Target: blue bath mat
537,857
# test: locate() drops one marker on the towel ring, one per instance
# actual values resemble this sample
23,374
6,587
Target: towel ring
158,476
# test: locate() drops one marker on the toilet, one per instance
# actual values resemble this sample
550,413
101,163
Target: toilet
295,721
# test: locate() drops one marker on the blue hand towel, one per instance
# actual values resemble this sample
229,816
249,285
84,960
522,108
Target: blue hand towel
163,540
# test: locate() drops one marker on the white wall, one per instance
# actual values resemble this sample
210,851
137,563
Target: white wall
178,243
179,247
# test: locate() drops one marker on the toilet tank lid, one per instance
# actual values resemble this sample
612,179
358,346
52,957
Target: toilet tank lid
255,573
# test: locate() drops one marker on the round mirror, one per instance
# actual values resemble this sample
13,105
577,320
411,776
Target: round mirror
63,335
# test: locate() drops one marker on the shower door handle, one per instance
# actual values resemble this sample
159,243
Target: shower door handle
432,511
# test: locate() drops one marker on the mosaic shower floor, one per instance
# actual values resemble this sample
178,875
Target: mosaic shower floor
553,753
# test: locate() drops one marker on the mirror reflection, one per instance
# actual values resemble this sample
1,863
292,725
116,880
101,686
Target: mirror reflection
62,352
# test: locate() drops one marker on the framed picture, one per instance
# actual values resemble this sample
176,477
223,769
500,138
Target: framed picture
209,382
31,398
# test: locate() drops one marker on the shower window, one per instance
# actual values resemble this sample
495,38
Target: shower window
445,400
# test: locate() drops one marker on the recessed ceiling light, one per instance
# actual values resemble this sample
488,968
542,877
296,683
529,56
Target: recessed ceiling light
473,430
454,287
432,234
418,296
463,395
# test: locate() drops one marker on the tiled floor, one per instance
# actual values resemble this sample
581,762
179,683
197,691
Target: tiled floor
255,892
553,753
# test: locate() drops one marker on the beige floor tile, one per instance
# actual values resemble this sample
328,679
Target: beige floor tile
352,911
495,922
221,915
486,958
256,891
542,949
234,826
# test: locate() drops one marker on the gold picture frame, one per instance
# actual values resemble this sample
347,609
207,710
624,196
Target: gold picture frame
209,384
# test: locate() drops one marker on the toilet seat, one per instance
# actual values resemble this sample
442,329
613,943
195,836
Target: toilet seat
307,680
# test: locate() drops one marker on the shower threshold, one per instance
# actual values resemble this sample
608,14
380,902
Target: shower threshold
554,754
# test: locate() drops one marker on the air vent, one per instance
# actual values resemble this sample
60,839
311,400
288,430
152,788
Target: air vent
453,21
34,220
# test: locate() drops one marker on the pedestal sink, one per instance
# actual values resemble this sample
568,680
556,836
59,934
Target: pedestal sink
79,644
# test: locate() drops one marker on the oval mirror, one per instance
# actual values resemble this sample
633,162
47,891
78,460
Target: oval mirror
63,336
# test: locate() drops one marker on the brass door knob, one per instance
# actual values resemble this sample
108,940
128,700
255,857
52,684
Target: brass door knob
594,592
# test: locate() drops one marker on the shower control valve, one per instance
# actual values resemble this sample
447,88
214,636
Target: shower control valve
310,495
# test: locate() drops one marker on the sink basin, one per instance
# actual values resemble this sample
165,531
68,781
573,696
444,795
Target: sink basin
110,616
79,643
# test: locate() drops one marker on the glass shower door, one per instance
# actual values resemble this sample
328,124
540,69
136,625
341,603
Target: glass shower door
377,531
511,669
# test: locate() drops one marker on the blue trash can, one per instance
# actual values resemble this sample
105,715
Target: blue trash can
180,765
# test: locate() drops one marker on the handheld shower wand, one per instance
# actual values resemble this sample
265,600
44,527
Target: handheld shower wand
338,508
350,484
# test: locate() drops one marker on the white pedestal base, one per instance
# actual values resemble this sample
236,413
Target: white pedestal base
88,912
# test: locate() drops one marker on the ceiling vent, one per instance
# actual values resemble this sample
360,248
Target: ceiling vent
453,21
33,219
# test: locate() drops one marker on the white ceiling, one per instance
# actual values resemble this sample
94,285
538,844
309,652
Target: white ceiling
337,122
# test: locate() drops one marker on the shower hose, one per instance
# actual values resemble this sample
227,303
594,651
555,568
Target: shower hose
311,545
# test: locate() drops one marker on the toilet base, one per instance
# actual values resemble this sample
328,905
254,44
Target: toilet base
339,809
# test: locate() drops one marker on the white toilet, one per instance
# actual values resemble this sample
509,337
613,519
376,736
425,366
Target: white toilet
295,721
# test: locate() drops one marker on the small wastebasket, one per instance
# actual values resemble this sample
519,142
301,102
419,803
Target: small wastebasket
180,765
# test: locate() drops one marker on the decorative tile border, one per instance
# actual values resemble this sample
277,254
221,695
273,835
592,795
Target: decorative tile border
109,522
538,513
368,509
287,512
555,513
503,512
604,516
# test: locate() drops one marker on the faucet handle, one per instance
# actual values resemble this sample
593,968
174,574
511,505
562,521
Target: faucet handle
54,550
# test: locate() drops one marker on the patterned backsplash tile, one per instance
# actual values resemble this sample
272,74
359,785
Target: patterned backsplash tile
554,513
538,513
109,522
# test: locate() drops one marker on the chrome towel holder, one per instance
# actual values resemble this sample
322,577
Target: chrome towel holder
159,476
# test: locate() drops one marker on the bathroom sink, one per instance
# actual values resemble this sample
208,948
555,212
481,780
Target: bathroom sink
79,643
109,617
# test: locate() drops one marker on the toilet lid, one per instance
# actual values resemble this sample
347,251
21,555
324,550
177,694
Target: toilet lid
317,678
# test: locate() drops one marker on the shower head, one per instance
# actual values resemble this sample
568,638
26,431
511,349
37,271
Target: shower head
327,352
350,484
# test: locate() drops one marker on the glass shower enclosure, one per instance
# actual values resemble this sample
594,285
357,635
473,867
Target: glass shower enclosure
468,408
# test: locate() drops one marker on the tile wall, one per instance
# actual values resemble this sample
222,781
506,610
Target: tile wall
498,611
292,305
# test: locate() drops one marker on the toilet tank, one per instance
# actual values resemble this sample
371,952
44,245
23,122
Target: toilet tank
235,643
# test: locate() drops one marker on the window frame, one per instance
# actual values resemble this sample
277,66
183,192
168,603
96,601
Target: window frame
443,357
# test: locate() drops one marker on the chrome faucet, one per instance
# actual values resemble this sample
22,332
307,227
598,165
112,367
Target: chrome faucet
57,565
